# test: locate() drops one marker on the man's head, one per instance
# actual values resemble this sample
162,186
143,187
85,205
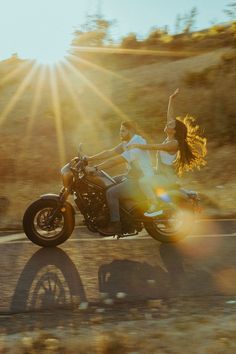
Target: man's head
127,129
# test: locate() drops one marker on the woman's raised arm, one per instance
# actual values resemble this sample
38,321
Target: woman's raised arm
170,110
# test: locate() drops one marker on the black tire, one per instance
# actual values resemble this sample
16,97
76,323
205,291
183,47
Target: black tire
157,228
45,205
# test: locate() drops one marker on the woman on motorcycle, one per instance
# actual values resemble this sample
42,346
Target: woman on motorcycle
183,150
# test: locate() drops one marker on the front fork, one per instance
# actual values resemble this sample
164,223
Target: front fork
64,194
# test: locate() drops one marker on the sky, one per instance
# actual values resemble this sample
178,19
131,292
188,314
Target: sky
42,29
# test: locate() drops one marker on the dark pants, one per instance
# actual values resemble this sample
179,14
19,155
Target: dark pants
128,189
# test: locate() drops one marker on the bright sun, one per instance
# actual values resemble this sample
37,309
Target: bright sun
47,47
50,56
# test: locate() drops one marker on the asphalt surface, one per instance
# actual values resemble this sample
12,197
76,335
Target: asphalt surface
88,268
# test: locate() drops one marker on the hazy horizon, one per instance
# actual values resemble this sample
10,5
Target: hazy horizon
31,28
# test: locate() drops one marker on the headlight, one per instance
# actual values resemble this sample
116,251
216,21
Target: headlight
67,176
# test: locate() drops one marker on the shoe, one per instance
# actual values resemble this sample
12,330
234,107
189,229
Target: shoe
153,211
114,228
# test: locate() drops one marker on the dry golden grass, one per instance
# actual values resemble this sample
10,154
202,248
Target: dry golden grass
29,158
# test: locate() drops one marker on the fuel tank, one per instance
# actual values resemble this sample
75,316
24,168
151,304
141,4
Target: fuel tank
101,180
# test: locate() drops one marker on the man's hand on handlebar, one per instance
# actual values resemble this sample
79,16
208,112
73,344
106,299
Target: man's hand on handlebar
75,159
90,169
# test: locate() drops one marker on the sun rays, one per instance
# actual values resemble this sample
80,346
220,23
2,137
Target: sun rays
88,83
15,72
57,114
74,96
19,93
37,96
87,63
73,79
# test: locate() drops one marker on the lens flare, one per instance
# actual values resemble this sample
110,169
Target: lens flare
225,281
163,195
202,245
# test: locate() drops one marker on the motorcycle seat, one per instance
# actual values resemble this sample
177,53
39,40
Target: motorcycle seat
173,186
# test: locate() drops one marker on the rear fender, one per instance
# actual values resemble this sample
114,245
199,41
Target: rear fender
176,196
56,197
184,200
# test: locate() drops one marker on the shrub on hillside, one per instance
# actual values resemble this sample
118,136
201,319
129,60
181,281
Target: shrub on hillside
200,78
156,37
229,58
166,38
198,36
232,28
216,29
130,41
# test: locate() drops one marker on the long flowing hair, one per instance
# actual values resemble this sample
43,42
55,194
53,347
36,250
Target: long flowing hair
192,145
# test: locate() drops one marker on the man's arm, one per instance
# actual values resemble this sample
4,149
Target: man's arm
106,154
107,164
111,163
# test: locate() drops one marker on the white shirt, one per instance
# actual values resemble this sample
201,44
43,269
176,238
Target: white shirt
138,158
167,158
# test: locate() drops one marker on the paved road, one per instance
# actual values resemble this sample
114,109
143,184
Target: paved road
89,268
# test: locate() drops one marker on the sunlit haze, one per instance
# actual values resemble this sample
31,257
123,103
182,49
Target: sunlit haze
42,30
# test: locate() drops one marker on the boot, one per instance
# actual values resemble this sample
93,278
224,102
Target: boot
153,211
113,228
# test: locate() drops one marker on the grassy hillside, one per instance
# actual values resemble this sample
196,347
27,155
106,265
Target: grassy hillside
88,105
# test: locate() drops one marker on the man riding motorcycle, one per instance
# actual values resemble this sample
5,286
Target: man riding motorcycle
139,165
50,220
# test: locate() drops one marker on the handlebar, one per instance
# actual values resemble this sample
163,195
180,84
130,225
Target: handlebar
78,164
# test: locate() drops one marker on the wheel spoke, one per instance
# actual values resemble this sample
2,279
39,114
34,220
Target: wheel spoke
172,225
44,227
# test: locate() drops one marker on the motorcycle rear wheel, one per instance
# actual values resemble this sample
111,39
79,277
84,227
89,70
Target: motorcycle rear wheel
173,229
39,231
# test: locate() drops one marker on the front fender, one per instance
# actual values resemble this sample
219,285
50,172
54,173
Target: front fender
56,197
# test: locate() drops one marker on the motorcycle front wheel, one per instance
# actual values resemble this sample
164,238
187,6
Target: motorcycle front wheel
173,227
43,232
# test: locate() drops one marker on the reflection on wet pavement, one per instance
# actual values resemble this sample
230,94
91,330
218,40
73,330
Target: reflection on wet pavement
118,271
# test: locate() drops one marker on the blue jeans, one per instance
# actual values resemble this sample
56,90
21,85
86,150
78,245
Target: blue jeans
128,189
149,184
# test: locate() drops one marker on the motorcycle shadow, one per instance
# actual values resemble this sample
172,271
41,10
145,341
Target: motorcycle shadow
48,280
176,275
142,281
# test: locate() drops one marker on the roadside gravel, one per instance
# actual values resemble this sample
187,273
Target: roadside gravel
178,325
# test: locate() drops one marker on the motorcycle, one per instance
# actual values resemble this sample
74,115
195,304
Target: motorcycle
50,220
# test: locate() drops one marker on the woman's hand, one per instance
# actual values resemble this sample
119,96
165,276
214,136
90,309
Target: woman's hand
175,93
133,146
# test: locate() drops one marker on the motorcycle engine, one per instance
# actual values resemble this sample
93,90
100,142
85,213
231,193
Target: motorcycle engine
96,212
